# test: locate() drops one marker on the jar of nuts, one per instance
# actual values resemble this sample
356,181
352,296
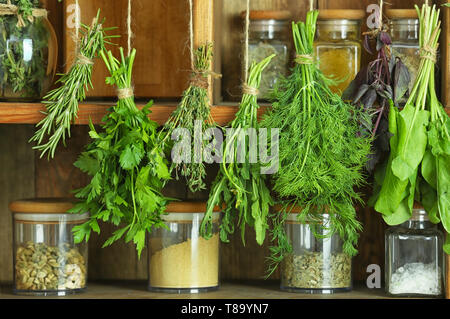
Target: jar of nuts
46,259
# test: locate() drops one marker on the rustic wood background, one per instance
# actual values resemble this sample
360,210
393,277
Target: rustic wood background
24,174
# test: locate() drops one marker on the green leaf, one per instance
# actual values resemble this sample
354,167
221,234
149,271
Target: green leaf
87,164
429,169
116,236
139,241
412,141
130,157
443,188
447,244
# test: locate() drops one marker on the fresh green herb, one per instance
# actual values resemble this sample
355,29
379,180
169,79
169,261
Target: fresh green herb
126,164
322,153
24,69
62,103
194,108
418,168
240,187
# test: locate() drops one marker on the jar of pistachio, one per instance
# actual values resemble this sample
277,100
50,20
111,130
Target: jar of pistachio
46,259
317,263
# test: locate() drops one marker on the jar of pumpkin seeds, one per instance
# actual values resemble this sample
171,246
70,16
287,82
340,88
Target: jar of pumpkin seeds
47,261
317,263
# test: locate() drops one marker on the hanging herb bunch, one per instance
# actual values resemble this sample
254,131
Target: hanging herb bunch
321,150
126,164
418,168
62,103
240,186
193,114
384,79
27,63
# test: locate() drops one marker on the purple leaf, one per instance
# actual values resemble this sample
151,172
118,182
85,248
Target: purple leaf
385,38
369,98
367,44
361,91
402,79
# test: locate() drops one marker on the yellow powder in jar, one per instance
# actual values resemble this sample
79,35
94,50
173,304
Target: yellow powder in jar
191,264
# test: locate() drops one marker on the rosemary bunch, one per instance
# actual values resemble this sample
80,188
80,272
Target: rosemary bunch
322,153
23,76
62,103
126,164
193,109
239,186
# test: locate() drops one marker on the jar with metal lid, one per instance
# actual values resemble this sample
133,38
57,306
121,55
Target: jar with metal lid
338,45
317,264
28,55
180,260
47,261
404,28
414,257
269,34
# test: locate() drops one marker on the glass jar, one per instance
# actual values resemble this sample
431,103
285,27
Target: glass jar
316,265
46,259
180,260
404,29
269,34
338,45
28,58
414,257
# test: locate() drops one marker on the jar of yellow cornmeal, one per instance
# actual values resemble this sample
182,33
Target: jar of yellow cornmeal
338,45
180,259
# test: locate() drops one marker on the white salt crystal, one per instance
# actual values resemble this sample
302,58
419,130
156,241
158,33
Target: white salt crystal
416,278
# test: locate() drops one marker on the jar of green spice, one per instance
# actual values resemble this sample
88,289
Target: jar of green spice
28,52
269,34
317,263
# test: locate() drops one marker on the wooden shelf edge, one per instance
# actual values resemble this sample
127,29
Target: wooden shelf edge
31,113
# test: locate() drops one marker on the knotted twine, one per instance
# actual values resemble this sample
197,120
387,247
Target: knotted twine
428,51
11,9
199,78
246,89
126,93
306,59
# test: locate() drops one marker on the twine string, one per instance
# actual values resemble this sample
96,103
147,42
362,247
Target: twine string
77,22
125,93
129,30
304,59
247,89
246,45
191,33
84,60
428,51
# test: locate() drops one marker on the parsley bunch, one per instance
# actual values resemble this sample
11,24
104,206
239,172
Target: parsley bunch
239,187
126,164
322,154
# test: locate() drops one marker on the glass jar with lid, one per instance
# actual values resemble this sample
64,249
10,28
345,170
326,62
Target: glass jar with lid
28,55
47,261
404,28
414,257
338,45
269,34
180,260
317,264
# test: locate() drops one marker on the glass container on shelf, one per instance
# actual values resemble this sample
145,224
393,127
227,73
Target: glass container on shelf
47,261
269,34
317,264
180,260
338,45
414,257
28,58
404,29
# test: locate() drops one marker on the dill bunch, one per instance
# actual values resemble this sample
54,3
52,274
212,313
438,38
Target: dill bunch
194,107
321,150
239,186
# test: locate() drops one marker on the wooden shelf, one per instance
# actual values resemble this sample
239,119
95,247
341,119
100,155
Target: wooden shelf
229,290
31,113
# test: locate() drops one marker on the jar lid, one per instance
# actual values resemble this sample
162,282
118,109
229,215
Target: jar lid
268,15
331,14
42,206
189,207
402,14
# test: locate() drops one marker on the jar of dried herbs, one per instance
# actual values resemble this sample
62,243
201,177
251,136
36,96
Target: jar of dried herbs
338,45
180,260
269,34
414,257
404,29
47,262
317,263
28,51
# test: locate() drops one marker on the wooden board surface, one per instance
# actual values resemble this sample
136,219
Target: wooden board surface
16,181
160,37
228,290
